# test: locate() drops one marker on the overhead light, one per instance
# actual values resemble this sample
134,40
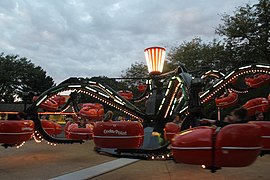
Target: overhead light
155,57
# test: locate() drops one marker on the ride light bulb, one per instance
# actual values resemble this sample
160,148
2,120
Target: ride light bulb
155,57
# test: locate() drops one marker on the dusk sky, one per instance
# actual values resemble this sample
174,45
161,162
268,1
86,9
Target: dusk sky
83,38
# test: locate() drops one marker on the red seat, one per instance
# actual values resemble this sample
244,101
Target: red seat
118,134
170,130
94,111
51,128
128,95
193,146
49,104
264,132
16,131
257,80
237,145
59,99
226,100
74,132
256,104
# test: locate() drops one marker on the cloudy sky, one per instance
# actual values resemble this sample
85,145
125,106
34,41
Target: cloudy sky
85,38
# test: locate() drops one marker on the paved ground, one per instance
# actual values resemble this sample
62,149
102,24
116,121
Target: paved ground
42,161
169,170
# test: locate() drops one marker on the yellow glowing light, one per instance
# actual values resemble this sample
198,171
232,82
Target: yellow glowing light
155,57
155,134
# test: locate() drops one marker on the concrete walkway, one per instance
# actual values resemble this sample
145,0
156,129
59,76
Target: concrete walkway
97,170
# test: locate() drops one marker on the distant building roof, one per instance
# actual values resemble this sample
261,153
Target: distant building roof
12,107
19,107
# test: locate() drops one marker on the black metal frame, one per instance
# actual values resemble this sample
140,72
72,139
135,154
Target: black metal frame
153,117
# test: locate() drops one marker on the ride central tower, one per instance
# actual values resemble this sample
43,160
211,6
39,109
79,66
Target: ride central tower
155,57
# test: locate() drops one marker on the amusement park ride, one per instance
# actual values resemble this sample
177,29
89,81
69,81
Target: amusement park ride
165,95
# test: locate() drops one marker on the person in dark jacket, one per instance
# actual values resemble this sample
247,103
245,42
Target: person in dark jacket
108,116
21,116
238,115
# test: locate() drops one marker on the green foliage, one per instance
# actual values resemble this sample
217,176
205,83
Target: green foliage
247,32
197,55
137,70
140,70
18,75
135,74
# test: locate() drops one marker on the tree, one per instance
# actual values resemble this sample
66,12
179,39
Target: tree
247,32
197,55
137,71
18,75
108,81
